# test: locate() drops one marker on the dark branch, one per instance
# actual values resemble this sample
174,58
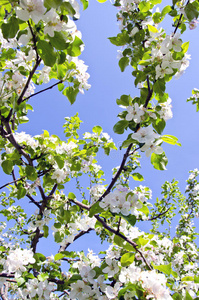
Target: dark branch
48,88
105,225
81,233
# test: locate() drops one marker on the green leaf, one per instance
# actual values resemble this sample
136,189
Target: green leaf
123,63
71,196
120,126
152,28
85,4
7,166
187,296
166,10
21,192
46,134
97,129
118,241
47,53
52,3
71,93
144,6
144,209
74,48
159,125
20,281
140,76
191,11
196,279
127,259
166,269
101,1
170,139
177,296
157,17
58,41
76,166
43,276
39,257
121,39
137,177
10,29
174,2
124,100
142,241
131,219
67,8
59,161
185,47
187,278
60,86
95,209
59,256
74,278
154,2
31,173
46,231
159,87
57,237
159,161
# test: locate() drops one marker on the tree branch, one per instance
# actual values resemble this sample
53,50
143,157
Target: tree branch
48,88
105,225
81,233
20,99
14,181
9,135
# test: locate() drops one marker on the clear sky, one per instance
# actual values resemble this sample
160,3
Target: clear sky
98,105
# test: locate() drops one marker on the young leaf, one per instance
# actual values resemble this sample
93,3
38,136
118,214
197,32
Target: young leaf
95,209
123,63
46,52
137,176
10,29
120,126
159,161
71,93
127,259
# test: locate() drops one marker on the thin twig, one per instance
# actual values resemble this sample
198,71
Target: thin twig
117,175
80,204
48,88
14,181
81,233
159,215
20,99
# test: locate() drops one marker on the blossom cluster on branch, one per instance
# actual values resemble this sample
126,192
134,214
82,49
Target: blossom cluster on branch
46,197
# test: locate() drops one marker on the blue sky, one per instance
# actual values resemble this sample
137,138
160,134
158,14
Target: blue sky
98,105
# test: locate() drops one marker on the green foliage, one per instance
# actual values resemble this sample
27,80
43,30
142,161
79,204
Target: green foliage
10,29
123,63
47,53
159,161
121,39
120,126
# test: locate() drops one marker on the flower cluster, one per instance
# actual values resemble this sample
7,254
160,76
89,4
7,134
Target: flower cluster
17,261
124,201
